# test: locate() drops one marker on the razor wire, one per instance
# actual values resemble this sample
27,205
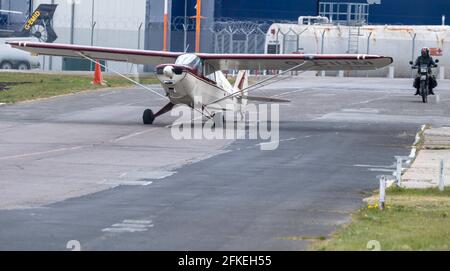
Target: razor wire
231,36
244,37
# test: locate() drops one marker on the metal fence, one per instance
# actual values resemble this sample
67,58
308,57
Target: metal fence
239,37
231,36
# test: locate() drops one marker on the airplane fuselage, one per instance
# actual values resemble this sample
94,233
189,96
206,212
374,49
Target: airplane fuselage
185,85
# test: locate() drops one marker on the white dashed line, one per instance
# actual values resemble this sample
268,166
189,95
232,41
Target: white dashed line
133,135
381,170
290,92
282,140
130,183
138,178
41,153
130,225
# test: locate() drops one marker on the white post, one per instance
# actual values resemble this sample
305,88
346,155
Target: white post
341,74
442,176
441,72
382,199
391,72
443,20
398,173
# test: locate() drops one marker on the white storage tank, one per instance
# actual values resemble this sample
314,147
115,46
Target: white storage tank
403,43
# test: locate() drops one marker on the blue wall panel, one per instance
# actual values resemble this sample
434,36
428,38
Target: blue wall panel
388,12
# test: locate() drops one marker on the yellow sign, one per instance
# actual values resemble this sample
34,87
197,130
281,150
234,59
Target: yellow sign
32,20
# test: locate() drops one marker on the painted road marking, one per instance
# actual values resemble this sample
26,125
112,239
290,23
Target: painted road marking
289,92
20,156
375,168
381,170
130,225
131,183
138,178
133,135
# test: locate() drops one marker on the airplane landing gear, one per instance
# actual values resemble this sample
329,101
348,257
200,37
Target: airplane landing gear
148,117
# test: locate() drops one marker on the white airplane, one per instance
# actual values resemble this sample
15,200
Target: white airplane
197,80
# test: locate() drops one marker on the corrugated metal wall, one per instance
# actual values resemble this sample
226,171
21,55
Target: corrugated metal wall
116,25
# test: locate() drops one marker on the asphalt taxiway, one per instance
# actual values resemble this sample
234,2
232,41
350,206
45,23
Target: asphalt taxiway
83,167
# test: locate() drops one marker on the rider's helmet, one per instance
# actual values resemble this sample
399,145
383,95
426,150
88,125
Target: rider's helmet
425,51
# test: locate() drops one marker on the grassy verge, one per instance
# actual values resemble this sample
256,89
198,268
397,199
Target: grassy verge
17,87
414,220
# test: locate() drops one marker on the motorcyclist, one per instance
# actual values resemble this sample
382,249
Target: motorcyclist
425,59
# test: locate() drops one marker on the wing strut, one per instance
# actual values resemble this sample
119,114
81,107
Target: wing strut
123,76
259,84
135,82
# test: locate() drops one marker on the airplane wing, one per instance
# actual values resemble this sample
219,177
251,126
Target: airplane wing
103,53
285,62
218,61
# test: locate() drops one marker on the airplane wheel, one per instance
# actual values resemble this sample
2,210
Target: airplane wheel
148,117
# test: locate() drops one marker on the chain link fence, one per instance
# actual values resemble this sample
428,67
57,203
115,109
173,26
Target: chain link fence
231,36
240,37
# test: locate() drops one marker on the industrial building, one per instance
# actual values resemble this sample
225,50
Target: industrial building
228,26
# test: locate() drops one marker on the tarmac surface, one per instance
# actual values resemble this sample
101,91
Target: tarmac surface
83,167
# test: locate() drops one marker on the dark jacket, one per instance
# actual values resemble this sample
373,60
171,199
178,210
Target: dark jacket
429,61
425,60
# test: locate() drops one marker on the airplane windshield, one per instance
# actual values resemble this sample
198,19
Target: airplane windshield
190,60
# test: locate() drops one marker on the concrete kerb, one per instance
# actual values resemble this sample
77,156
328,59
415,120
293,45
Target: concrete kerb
426,170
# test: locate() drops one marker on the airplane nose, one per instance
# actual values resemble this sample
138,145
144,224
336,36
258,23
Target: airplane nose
168,71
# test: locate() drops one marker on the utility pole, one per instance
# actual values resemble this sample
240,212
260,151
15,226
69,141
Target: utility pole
318,7
72,22
185,26
198,18
166,15
50,58
93,23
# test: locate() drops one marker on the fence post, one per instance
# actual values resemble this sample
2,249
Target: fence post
413,51
398,172
382,198
391,73
368,43
323,41
139,36
442,176
441,72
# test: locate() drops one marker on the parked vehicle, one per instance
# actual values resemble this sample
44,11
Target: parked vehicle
13,59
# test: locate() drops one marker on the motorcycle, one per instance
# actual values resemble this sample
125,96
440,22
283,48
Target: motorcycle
425,79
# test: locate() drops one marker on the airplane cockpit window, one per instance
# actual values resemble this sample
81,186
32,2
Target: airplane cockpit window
210,72
190,60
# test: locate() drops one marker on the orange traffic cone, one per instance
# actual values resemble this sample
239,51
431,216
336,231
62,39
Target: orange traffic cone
98,78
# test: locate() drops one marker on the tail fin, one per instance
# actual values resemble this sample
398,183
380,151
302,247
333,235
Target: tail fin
39,23
241,84
241,81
